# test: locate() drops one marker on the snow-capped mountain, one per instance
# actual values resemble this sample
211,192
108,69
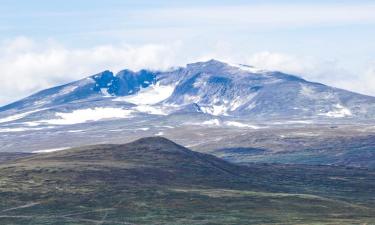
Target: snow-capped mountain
186,103
212,87
204,104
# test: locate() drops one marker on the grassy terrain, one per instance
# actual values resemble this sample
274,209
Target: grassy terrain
343,145
7,156
154,181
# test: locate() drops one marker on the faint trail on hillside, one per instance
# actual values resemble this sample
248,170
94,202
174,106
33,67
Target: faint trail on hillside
106,213
21,207
68,218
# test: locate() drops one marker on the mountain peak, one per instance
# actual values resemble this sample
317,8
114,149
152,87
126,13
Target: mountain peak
211,87
209,63
154,140
157,152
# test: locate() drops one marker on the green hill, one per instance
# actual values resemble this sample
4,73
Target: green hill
155,181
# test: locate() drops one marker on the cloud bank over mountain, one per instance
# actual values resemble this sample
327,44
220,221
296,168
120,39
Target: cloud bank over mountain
27,65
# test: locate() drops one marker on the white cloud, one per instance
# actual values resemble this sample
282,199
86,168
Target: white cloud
362,83
264,15
281,61
27,66
325,71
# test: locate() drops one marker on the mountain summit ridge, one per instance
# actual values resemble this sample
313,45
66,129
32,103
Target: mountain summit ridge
214,87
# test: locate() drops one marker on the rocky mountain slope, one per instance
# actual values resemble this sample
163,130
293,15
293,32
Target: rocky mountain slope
211,106
211,87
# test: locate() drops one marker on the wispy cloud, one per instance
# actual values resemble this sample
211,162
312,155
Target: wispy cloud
262,15
330,72
27,66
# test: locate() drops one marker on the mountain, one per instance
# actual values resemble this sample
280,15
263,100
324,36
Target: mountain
210,106
8,156
352,146
213,87
156,181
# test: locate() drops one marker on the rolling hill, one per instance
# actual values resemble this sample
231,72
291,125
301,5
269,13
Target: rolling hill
156,181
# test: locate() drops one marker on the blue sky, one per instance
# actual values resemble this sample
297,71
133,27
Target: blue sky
44,43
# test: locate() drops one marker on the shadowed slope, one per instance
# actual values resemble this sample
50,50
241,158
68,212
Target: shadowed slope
153,158
155,181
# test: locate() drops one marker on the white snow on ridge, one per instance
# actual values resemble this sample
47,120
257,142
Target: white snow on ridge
75,131
241,125
215,110
250,69
64,91
292,122
213,122
150,110
51,150
224,107
18,116
237,102
67,90
86,115
143,128
191,98
10,130
105,92
150,95
21,129
31,124
217,122
200,82
308,92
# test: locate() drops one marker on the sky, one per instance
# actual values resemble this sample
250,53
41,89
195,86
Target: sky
45,43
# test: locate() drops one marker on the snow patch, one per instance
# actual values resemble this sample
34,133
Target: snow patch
213,122
64,91
307,91
241,125
105,92
143,128
17,116
200,82
191,99
75,131
293,122
339,112
21,129
251,106
151,95
237,102
31,124
85,115
67,90
51,150
216,110
150,109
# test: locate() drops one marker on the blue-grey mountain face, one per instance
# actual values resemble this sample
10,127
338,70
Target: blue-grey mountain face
222,89
209,106
104,84
213,88
198,105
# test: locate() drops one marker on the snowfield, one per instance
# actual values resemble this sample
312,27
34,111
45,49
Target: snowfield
148,96
86,115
